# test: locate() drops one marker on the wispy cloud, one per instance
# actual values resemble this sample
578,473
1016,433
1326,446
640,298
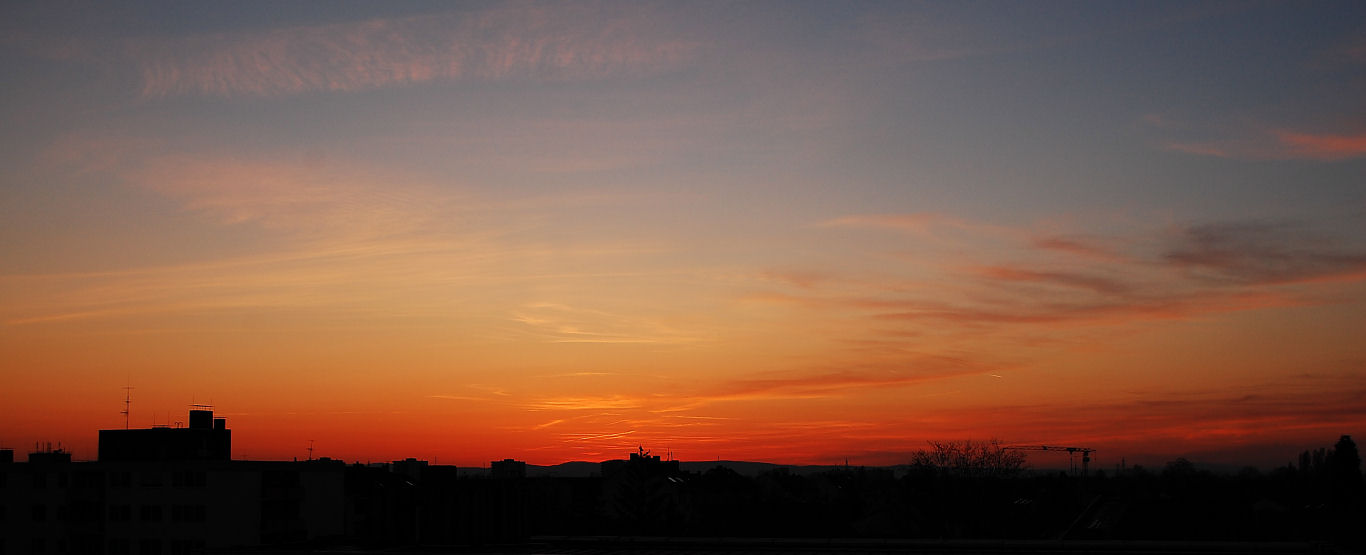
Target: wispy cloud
1115,312
1322,147
332,234
506,41
919,222
1078,247
580,403
458,398
1257,411
1255,252
805,279
836,383
1094,283
598,437
1218,150
545,425
559,323
681,402
1010,287
1279,145
282,191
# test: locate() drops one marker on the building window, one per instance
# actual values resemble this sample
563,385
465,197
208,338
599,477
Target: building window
120,513
150,480
150,513
39,513
120,546
120,479
39,480
90,480
188,479
186,547
187,513
37,546
149,546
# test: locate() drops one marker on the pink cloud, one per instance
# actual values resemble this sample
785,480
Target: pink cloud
1280,145
1323,147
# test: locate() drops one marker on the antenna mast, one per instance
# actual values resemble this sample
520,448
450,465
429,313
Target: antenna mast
127,404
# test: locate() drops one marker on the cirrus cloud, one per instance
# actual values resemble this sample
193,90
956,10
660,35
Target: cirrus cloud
514,41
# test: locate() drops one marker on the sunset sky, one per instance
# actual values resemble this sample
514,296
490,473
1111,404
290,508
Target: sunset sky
797,232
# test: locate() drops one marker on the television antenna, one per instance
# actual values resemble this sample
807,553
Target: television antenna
127,404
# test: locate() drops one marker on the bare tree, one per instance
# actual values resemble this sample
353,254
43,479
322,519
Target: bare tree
970,459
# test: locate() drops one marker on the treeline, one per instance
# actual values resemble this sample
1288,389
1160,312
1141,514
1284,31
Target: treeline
974,493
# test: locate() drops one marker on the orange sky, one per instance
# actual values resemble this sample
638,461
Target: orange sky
559,232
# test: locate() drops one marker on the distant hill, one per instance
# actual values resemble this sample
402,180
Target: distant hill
573,469
746,468
581,469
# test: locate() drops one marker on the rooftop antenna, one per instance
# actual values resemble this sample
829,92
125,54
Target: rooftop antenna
127,404
310,449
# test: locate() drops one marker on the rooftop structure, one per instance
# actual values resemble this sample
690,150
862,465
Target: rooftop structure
206,439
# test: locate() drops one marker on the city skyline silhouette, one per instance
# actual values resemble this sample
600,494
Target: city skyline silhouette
179,489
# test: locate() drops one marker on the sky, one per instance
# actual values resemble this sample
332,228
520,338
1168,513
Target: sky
795,232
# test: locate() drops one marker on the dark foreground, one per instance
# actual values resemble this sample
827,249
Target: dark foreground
151,499
594,545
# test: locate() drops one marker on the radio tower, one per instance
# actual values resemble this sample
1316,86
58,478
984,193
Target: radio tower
127,404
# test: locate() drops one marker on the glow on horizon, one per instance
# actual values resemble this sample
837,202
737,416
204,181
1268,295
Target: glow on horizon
556,232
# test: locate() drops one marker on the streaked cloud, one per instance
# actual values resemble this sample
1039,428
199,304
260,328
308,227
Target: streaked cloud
1079,247
1098,284
1259,411
1322,147
1078,314
555,42
580,403
283,191
1280,145
918,222
908,372
1210,149
805,279
1257,252
559,323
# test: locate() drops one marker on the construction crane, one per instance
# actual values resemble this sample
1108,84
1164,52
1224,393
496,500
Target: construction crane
1071,455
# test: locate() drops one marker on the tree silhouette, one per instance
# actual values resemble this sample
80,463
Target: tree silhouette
973,459
1344,467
